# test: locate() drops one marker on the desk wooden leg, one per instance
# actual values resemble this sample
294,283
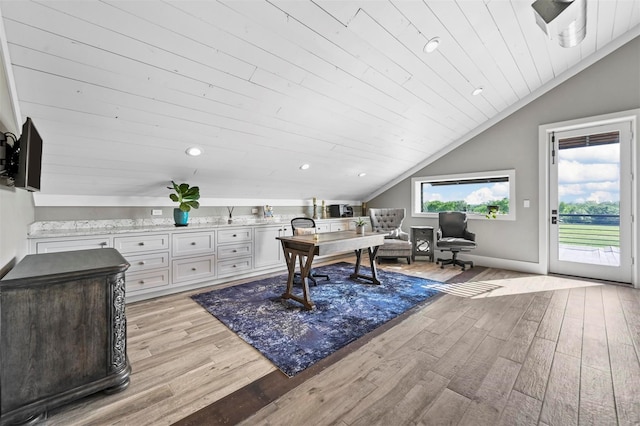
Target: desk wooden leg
374,273
372,261
305,259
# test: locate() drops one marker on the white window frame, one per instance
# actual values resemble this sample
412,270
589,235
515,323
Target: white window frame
416,188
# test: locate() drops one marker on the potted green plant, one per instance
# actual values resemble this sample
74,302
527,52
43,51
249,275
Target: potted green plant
360,224
187,198
492,211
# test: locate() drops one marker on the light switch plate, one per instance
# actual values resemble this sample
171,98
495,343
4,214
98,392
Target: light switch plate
155,212
527,204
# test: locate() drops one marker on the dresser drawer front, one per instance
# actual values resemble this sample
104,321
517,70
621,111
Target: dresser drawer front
234,235
144,262
146,280
234,266
336,227
193,243
141,243
234,250
58,246
200,268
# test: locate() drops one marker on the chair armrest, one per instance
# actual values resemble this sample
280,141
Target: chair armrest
469,235
403,236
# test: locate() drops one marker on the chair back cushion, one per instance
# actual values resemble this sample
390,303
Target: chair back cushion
453,224
387,221
303,226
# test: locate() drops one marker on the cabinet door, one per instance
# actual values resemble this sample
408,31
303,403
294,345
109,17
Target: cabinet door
268,251
141,243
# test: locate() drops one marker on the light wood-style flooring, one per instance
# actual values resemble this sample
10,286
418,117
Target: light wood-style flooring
525,350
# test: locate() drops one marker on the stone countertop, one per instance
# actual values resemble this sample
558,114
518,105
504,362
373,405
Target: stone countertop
81,228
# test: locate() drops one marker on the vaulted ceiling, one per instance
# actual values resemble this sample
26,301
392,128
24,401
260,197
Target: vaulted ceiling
120,89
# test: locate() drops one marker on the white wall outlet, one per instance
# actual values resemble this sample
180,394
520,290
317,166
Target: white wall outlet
527,204
254,211
155,212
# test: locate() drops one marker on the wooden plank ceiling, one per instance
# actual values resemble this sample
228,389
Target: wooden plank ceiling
120,89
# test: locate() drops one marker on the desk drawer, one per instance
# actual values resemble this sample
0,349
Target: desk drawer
145,262
234,235
234,250
233,266
141,243
199,268
145,280
193,243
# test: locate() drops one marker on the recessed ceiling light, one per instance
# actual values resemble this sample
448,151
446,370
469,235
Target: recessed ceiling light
361,174
477,91
432,45
193,151
304,167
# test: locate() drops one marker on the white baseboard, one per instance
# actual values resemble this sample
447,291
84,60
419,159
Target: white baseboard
512,265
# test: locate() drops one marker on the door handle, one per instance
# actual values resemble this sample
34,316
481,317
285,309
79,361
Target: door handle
554,220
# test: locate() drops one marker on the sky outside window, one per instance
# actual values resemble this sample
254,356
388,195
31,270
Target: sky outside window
590,173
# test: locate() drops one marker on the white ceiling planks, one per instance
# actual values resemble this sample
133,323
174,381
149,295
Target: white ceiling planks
119,89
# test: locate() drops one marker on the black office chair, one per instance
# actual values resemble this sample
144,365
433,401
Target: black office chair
309,225
453,236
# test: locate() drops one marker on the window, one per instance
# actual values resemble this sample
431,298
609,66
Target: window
474,193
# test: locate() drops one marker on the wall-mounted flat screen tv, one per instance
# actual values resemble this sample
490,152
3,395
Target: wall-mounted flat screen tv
25,160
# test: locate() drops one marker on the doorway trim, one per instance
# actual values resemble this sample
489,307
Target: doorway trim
544,156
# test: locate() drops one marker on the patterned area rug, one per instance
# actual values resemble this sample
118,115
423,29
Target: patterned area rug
294,339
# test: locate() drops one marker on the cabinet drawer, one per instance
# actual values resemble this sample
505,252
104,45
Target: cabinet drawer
323,227
188,244
141,243
340,226
234,250
69,245
144,262
234,235
199,268
145,280
233,266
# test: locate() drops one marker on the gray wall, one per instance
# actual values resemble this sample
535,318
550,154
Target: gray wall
610,85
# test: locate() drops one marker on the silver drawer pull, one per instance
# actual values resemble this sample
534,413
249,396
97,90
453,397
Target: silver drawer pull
141,243
141,262
193,243
235,251
234,235
193,269
141,282
104,243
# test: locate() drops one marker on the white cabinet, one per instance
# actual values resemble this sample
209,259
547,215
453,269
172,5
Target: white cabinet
268,251
148,255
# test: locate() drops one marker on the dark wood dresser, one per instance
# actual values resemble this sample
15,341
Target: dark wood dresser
63,331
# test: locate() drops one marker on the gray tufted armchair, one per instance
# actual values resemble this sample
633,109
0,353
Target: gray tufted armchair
396,241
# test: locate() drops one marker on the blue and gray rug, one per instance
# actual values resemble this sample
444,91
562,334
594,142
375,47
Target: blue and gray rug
294,339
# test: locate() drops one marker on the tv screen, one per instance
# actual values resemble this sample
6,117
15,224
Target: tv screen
29,164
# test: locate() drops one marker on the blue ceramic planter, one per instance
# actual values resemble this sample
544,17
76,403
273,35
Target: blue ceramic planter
181,218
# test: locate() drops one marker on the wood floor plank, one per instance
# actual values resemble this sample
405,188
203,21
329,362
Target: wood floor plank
537,308
575,303
470,376
451,362
571,336
521,410
534,375
551,324
517,346
441,344
448,409
596,397
493,393
625,371
595,349
561,400
615,321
